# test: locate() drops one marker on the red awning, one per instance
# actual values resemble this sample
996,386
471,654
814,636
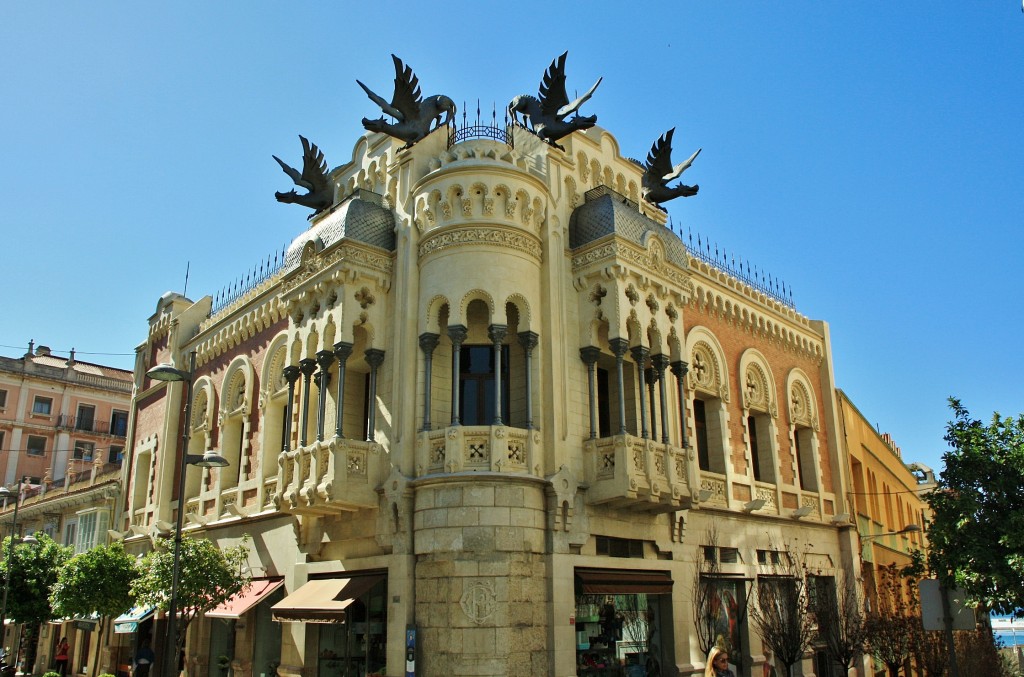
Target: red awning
624,581
250,596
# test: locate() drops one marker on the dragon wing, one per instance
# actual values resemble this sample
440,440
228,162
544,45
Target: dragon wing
296,177
682,166
384,105
314,167
552,88
407,96
575,105
659,160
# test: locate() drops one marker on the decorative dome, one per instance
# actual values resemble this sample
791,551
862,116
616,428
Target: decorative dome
361,217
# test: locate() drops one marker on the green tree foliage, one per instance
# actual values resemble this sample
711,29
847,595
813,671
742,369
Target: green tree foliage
97,581
208,576
976,536
33,573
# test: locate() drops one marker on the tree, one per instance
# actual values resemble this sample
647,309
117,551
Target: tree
707,612
97,581
782,614
839,613
976,537
35,570
208,576
894,622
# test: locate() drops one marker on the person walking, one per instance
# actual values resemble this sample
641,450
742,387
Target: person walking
60,657
718,664
144,659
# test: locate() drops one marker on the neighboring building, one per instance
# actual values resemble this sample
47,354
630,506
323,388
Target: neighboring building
490,397
59,414
887,495
76,511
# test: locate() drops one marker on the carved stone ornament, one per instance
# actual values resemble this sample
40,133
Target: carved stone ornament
479,601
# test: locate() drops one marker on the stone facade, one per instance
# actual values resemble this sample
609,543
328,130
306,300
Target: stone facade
491,375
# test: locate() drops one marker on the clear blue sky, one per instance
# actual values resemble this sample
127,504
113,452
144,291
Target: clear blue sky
870,154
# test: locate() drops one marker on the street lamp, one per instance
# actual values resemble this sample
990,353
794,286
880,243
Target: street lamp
909,529
6,494
168,373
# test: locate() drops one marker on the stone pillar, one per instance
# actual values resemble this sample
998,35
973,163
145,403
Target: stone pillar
457,333
660,363
619,347
307,367
497,333
428,342
324,358
291,375
375,358
589,356
679,369
640,357
528,340
342,350
652,377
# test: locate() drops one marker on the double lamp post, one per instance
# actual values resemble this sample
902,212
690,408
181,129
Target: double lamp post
211,459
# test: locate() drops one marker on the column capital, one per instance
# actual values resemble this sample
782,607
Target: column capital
342,350
325,358
374,357
307,366
640,354
679,368
457,333
619,346
589,355
528,340
428,341
660,362
497,333
291,374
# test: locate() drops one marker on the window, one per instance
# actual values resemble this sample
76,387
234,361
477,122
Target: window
42,405
620,547
92,530
3,399
115,453
700,424
84,450
1,439
806,477
70,531
36,445
119,423
773,557
476,385
759,430
86,417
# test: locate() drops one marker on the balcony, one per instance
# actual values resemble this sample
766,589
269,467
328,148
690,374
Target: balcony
329,477
477,448
90,425
637,474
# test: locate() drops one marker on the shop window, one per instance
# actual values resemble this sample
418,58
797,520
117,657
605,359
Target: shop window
724,614
620,547
476,385
803,440
86,417
36,446
42,406
356,646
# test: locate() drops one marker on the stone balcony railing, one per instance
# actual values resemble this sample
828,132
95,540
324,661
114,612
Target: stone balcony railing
329,477
638,474
478,448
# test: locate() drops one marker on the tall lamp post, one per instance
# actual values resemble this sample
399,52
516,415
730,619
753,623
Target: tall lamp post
167,372
5,495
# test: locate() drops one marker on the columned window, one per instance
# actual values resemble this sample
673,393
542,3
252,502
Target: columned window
476,384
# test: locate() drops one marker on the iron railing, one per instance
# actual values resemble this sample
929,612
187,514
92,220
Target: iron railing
261,272
91,425
479,130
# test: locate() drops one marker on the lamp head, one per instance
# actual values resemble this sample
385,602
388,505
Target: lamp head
168,372
6,494
211,459
29,539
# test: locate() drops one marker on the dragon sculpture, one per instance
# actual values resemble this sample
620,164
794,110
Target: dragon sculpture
548,111
413,114
313,178
658,171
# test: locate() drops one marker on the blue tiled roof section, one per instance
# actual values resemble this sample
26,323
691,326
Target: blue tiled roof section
606,212
361,217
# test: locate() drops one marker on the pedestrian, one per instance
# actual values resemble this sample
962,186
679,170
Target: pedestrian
718,664
60,658
144,659
769,664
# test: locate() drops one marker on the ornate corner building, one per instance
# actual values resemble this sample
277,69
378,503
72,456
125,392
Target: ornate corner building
491,407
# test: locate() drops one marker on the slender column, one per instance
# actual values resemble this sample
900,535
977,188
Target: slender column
497,333
651,377
528,340
342,350
307,367
291,375
428,342
660,363
640,356
679,371
589,356
619,347
375,358
457,333
324,358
